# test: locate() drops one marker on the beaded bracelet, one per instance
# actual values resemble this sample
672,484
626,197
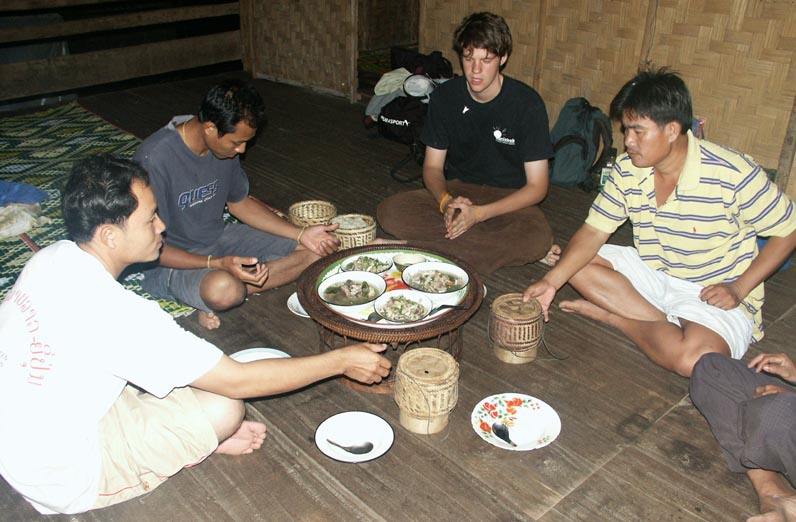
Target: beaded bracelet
208,260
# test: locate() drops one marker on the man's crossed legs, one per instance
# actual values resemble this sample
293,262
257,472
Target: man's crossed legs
661,314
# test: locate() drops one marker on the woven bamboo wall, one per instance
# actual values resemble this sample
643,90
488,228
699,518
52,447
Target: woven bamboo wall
384,23
737,56
312,42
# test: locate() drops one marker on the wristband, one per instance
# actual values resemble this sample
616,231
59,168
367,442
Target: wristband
298,238
442,202
208,260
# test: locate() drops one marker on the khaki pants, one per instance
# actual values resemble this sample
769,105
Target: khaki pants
145,440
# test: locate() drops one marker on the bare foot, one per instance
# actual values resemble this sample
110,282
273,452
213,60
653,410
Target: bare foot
552,256
586,309
776,508
384,241
209,320
249,437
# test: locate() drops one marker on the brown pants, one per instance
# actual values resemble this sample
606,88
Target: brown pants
512,239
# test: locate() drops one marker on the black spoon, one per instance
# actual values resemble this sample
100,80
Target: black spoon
502,432
356,449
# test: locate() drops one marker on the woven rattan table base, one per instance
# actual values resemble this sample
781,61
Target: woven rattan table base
451,342
336,331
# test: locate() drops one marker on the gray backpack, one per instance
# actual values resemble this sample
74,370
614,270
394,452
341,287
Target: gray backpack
579,135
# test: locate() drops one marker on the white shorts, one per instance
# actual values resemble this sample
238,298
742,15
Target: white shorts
679,299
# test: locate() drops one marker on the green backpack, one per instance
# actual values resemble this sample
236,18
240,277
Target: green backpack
579,135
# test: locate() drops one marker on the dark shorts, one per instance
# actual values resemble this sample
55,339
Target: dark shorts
237,240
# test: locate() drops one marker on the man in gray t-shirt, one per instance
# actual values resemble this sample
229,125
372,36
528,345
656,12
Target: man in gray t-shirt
195,173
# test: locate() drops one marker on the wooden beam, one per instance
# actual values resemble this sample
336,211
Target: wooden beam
249,28
30,5
786,156
649,35
113,23
537,66
353,73
70,72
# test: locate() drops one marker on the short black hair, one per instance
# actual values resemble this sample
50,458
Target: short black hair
100,191
661,96
231,102
483,31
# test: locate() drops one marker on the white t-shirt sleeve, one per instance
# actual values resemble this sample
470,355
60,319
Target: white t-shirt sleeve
149,349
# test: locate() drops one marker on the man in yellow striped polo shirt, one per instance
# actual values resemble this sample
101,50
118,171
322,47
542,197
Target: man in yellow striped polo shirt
693,281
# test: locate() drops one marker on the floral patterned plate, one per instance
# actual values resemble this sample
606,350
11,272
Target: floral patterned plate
532,423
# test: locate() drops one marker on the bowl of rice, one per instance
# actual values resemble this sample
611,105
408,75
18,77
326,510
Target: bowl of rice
354,230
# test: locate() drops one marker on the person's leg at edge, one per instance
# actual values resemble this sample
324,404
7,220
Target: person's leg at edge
610,298
723,390
236,436
777,500
768,432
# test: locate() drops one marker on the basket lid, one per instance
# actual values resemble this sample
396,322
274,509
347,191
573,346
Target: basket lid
511,306
428,365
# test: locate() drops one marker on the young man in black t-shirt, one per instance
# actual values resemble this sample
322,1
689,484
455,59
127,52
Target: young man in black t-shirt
486,165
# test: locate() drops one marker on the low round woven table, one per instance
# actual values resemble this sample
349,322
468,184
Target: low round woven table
337,331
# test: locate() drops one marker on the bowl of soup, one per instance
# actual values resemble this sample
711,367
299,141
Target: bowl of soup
376,263
403,306
435,277
350,292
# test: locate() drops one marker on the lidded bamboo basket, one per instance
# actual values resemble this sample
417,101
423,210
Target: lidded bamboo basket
312,212
515,328
426,389
354,237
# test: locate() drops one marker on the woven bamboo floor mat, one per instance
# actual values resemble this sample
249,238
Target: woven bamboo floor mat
39,149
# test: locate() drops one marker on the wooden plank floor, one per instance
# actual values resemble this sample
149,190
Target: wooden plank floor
632,447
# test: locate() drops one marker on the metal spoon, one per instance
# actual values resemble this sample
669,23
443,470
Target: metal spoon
356,449
502,432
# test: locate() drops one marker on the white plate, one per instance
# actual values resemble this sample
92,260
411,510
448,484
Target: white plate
294,305
532,423
354,427
255,354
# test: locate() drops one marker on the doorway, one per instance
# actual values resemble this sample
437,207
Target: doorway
382,25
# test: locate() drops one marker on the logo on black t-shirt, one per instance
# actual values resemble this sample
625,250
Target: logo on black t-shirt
500,137
198,195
